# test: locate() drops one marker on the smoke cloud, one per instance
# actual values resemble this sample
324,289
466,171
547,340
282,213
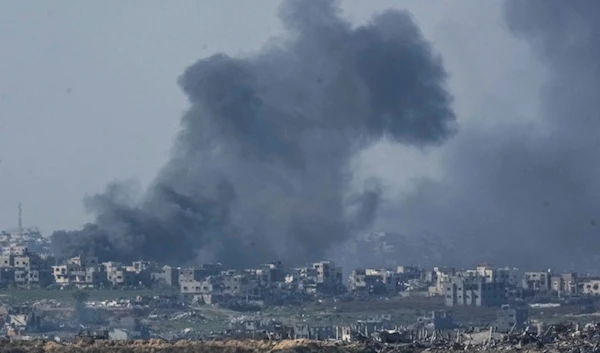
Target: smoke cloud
527,194
261,167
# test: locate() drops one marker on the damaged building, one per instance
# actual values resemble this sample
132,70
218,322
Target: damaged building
24,269
511,318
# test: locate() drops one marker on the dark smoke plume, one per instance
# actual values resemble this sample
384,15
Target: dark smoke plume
528,194
261,167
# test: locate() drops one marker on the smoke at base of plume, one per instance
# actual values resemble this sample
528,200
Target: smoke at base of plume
261,167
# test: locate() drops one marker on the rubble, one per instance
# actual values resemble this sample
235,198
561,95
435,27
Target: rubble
560,338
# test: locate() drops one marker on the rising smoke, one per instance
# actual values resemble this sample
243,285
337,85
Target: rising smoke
528,194
261,167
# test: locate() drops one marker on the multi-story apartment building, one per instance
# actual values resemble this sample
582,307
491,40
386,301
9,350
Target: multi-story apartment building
81,272
537,281
167,275
474,291
565,283
23,268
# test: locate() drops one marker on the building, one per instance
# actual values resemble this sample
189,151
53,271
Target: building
168,275
441,276
509,276
409,272
317,333
81,272
565,283
28,270
121,276
273,272
240,285
537,281
509,319
474,291
328,277
436,320
376,282
590,286
318,278
210,285
199,273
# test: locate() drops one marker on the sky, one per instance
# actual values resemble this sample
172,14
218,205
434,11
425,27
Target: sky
88,90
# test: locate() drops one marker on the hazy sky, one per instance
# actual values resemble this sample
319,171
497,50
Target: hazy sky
88,90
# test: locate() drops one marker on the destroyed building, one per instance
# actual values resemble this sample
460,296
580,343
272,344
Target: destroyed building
127,328
374,282
23,319
436,320
317,333
318,278
511,318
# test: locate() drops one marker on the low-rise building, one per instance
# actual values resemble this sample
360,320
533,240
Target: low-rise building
590,286
509,318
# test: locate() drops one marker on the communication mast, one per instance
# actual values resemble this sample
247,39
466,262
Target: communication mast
20,219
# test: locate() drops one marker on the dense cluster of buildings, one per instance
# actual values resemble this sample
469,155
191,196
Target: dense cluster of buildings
25,262
482,286
214,283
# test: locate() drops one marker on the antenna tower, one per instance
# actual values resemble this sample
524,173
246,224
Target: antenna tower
20,218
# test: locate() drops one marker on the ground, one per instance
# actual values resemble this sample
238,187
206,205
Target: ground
205,319
29,295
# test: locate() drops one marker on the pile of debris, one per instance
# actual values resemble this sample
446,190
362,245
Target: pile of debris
565,337
183,346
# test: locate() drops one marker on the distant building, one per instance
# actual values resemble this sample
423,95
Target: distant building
537,281
436,320
24,269
565,283
319,277
590,286
409,272
199,273
81,272
509,318
168,275
376,282
318,333
474,291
